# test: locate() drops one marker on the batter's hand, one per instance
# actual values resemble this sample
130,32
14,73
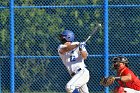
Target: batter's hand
82,45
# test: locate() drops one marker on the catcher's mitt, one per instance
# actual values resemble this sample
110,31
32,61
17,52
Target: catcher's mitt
107,81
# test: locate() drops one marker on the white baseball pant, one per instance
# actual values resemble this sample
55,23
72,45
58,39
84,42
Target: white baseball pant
79,81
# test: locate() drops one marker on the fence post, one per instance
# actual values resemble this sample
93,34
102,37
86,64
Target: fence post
11,46
106,68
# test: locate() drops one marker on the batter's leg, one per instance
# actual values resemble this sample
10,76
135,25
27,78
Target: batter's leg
78,80
84,89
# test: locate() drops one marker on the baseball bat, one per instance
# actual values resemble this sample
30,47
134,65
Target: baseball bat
93,32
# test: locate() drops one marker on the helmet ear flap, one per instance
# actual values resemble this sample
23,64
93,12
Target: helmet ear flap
68,37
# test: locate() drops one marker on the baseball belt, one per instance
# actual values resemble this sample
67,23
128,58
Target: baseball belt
72,74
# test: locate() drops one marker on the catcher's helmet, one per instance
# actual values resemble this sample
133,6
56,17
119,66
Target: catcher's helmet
67,35
117,60
120,59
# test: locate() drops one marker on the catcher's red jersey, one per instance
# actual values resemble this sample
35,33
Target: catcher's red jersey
133,84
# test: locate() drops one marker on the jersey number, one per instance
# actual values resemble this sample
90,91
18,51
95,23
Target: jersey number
72,58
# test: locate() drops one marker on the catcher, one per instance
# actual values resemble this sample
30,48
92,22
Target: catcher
127,80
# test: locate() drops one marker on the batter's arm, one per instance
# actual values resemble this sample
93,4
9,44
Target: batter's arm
68,47
83,54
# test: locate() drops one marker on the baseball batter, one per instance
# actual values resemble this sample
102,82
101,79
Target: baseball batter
73,55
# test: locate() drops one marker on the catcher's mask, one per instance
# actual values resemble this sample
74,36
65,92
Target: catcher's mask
117,60
66,36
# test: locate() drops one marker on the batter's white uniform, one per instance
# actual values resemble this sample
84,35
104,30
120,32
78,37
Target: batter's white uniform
75,64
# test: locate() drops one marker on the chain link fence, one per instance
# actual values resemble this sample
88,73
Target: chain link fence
37,25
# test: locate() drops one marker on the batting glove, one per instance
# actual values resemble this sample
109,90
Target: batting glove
82,45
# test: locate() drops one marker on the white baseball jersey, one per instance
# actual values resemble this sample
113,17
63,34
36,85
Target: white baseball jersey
72,59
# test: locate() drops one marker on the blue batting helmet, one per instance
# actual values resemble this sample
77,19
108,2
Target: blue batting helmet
67,35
